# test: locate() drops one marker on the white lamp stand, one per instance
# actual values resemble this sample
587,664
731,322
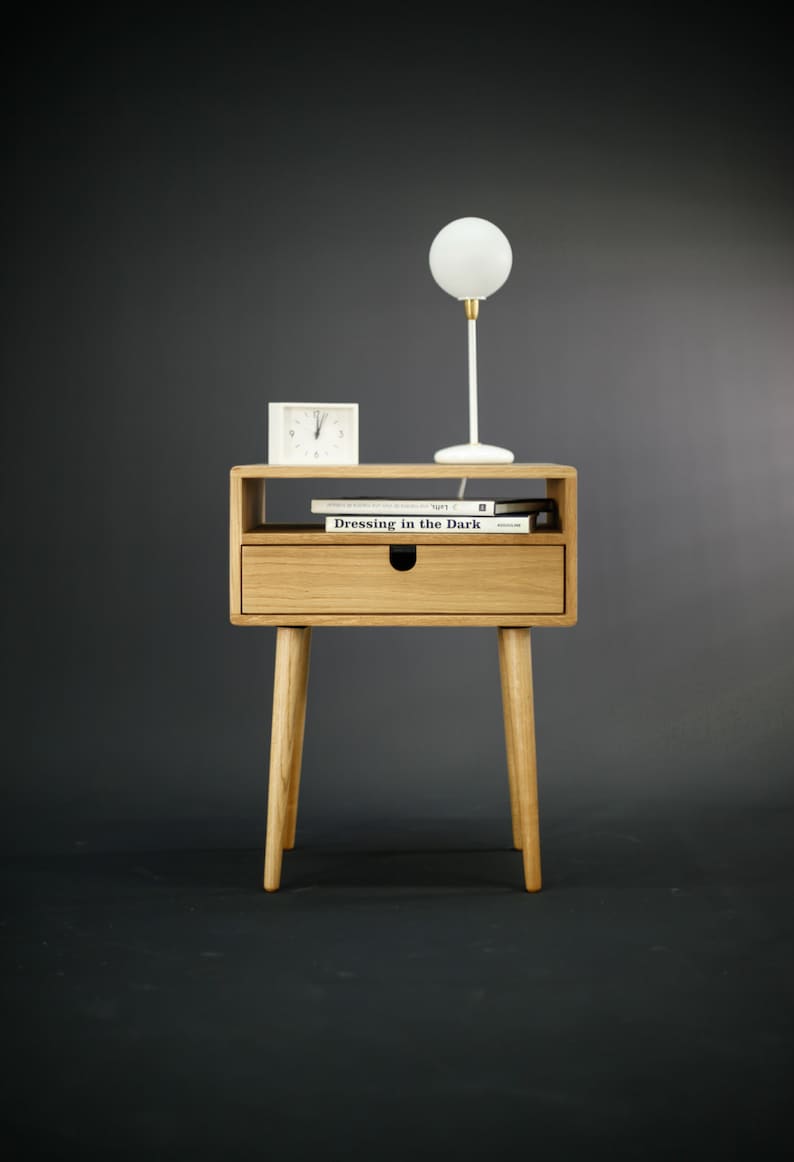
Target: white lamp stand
470,259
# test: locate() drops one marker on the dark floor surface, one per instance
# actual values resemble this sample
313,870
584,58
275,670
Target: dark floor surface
412,1003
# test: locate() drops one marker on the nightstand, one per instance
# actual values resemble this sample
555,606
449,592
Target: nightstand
295,577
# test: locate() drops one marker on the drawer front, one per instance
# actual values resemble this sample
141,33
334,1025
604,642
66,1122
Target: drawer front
350,579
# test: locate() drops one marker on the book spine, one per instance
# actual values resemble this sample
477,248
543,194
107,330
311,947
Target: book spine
427,524
388,507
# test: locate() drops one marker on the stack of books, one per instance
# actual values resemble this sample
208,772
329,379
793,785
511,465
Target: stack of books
383,514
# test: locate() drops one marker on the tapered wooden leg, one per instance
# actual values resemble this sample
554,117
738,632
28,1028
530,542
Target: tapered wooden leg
289,688
519,711
515,806
299,722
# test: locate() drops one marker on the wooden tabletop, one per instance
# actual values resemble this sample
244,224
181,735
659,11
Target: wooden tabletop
406,471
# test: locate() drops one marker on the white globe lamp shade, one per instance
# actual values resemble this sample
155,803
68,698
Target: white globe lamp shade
470,258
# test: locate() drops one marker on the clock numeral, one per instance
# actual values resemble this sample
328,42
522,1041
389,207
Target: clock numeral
292,433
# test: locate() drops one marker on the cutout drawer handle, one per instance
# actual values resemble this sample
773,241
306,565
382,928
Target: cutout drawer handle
402,557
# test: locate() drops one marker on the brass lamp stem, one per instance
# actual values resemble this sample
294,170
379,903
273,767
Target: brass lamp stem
471,307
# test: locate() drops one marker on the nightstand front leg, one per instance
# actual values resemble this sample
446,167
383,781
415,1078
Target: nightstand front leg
299,722
286,741
519,711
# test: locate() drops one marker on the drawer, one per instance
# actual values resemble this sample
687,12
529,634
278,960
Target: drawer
351,579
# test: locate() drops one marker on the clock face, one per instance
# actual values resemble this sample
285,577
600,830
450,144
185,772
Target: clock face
313,434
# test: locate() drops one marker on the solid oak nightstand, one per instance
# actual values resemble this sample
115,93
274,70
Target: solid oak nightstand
298,576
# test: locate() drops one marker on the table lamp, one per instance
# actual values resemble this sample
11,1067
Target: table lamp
470,259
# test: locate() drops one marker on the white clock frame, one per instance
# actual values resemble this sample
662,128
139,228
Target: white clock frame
278,451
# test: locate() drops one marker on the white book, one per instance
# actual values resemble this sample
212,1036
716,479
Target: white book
427,524
418,506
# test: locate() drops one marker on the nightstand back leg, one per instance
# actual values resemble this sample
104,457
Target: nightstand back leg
519,713
289,688
515,805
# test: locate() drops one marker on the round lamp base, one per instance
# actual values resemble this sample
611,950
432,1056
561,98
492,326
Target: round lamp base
473,454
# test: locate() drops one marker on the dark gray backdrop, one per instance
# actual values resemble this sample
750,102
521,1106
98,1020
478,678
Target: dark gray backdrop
206,213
